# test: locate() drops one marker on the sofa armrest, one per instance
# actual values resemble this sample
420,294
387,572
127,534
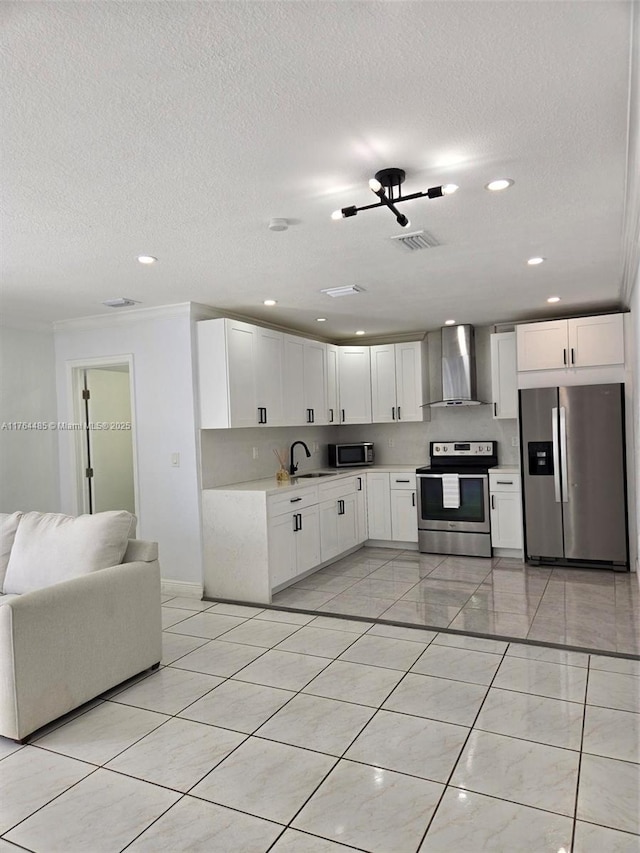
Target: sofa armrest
140,550
66,644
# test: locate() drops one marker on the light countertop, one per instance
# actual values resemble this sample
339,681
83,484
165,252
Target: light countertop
269,484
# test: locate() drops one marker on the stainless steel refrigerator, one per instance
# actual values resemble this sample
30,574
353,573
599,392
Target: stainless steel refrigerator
573,475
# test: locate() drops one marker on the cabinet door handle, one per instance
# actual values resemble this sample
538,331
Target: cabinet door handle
308,416
504,482
399,415
295,500
413,498
299,521
393,413
403,481
493,501
313,416
330,416
340,507
343,417
495,410
260,415
295,522
359,484
564,356
573,356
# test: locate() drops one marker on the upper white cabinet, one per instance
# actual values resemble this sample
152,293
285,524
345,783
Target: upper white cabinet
574,343
333,414
354,380
241,375
396,382
504,380
304,381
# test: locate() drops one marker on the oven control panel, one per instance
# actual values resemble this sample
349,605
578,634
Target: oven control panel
463,448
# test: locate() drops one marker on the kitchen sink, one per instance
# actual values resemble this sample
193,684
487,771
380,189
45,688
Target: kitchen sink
314,474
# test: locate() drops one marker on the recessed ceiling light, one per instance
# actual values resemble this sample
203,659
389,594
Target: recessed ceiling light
499,184
269,302
147,259
535,261
449,322
449,189
360,332
321,319
553,299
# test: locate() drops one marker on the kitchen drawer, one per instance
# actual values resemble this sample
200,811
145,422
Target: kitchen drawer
336,490
500,482
403,481
293,500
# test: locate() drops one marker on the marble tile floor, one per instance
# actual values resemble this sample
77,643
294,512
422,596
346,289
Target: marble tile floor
591,609
268,730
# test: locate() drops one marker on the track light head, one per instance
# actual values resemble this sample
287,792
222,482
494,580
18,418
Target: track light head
402,220
435,192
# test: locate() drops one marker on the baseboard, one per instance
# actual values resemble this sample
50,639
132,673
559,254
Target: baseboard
511,553
391,543
182,589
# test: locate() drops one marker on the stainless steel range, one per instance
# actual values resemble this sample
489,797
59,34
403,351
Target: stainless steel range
453,498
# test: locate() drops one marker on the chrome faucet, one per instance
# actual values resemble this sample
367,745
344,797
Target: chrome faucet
293,468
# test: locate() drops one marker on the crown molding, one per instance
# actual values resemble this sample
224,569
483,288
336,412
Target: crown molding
131,315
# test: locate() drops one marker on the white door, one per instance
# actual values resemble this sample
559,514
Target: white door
242,355
109,439
282,549
383,384
333,415
542,346
378,505
307,539
294,404
504,377
596,341
347,523
506,520
404,517
354,377
269,375
329,541
409,381
315,382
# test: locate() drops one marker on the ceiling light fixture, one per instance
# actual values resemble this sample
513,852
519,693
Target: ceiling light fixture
147,259
387,186
278,224
553,299
499,184
533,262
321,319
269,302
361,332
449,322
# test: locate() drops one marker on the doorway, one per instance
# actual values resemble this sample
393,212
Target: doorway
105,447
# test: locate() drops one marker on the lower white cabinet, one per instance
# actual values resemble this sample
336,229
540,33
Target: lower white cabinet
506,510
338,518
361,507
378,505
404,518
294,544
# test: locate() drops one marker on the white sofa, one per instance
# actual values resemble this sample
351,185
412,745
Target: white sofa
79,614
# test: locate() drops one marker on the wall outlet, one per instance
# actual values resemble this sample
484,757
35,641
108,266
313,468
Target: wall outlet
255,452
391,442
175,460
316,447
514,441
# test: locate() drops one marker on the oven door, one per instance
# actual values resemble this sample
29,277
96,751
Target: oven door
471,516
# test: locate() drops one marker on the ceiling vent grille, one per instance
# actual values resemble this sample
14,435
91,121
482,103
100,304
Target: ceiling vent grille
416,240
347,290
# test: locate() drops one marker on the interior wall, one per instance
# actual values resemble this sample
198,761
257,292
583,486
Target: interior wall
633,422
28,456
164,424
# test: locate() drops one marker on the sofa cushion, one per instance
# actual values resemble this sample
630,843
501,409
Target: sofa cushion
50,548
8,527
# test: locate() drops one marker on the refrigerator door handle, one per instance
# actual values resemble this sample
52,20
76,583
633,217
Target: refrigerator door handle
556,454
563,455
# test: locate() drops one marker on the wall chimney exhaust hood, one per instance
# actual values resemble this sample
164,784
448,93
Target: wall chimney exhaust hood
458,367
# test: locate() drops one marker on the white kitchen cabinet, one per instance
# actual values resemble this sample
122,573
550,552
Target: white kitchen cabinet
304,381
315,382
294,544
396,382
506,510
574,343
378,505
338,517
404,517
333,414
361,507
354,383
294,407
504,377
240,375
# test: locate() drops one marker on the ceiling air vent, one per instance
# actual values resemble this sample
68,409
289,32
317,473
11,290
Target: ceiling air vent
347,290
416,240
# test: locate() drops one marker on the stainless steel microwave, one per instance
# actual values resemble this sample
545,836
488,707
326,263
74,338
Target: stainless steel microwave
351,455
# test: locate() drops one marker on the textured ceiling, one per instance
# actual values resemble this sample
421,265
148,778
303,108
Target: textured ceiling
178,129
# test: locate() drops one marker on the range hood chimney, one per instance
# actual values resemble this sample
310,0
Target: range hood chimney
458,367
